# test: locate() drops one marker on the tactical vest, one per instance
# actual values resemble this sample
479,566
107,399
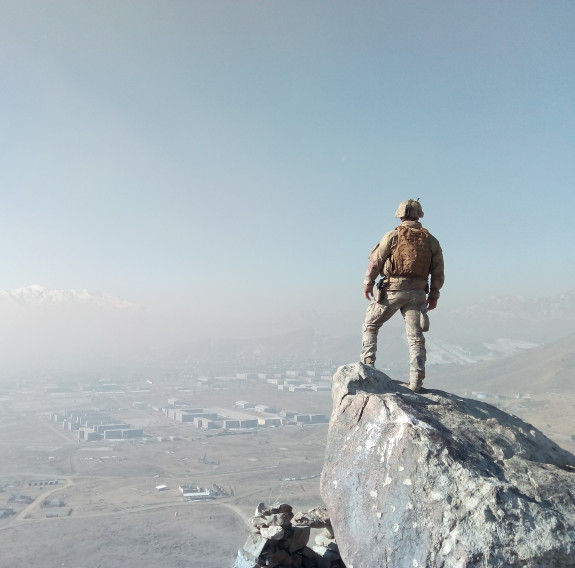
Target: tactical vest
411,255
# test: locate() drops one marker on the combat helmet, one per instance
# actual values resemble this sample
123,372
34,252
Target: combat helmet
409,208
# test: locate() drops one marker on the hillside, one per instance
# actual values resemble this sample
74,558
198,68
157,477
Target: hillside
550,367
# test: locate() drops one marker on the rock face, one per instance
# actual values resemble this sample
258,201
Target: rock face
438,481
281,539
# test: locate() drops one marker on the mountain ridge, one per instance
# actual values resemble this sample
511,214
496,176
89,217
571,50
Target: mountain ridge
548,367
39,320
36,295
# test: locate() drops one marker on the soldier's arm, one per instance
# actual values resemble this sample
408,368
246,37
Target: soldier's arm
437,275
377,259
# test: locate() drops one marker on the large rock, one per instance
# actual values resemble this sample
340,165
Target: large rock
438,481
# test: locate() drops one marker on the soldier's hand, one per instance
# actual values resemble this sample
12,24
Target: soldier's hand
367,292
431,304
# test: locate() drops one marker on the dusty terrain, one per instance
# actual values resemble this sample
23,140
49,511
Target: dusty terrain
113,515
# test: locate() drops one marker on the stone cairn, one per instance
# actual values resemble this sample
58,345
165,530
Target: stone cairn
280,540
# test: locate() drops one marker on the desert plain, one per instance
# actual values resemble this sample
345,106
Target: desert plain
110,511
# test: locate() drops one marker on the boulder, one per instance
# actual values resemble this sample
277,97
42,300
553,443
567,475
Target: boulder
437,480
316,518
254,545
298,538
272,533
245,560
278,520
278,515
258,522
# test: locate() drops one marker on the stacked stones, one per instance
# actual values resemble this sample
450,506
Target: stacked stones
325,552
280,540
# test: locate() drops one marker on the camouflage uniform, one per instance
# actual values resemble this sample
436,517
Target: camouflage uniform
403,291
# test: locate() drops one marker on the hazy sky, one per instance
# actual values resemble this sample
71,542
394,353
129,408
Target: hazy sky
230,156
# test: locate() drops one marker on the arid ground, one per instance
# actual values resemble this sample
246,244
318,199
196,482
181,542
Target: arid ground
112,513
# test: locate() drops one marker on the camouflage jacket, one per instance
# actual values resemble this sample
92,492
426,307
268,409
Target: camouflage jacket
379,265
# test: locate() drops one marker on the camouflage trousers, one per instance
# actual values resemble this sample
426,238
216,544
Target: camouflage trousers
412,304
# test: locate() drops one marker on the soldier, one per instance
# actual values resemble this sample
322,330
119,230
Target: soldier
404,258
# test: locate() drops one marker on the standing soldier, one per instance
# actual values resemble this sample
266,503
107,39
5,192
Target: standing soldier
405,258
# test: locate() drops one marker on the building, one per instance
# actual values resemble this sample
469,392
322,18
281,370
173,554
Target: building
264,408
246,376
43,482
88,435
113,435
70,425
205,423
101,428
190,414
195,493
132,433
270,422
318,418
289,414
54,503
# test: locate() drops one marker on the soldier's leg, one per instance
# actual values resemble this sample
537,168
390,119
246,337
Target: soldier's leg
411,312
376,315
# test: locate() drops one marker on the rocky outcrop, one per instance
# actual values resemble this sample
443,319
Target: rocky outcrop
280,540
438,481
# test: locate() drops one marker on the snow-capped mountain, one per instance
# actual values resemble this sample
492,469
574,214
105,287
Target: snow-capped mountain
35,296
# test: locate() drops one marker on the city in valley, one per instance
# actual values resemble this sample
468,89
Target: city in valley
154,471
161,459
167,470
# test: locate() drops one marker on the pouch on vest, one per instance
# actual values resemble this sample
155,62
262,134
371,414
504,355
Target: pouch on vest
424,320
380,290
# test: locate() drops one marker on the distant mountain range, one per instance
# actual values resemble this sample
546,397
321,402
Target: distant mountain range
88,326
488,330
310,348
35,296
